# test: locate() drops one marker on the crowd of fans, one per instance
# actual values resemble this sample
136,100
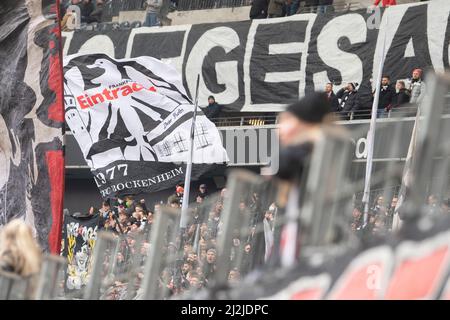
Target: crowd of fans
348,103
196,266
213,109
131,220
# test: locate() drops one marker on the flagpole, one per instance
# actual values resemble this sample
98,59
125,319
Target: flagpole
187,179
371,133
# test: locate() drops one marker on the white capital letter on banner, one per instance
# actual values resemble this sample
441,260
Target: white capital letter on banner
283,48
351,26
226,71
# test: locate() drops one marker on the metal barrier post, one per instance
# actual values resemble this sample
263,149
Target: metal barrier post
49,276
93,287
153,262
135,264
6,284
236,188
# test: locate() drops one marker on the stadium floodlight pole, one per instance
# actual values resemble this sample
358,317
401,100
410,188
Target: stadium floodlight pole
187,179
372,127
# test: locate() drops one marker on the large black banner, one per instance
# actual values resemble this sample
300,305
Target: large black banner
31,118
261,65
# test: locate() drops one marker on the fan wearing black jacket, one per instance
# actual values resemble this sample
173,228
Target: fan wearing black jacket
402,95
387,94
258,9
349,99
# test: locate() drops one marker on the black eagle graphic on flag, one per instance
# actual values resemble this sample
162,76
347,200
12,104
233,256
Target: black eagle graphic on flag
132,120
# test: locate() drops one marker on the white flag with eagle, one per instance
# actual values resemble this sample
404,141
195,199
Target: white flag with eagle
132,120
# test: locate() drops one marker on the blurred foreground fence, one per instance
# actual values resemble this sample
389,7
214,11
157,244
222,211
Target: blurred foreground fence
266,237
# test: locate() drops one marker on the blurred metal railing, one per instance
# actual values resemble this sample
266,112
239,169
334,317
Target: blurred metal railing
99,275
155,260
255,121
245,121
238,223
397,113
51,280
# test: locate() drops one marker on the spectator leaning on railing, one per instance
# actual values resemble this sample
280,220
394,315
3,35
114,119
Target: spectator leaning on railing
213,108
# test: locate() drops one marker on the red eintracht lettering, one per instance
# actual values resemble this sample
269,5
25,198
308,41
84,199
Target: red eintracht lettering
88,101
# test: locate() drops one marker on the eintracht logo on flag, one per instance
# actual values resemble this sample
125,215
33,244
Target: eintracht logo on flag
132,120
